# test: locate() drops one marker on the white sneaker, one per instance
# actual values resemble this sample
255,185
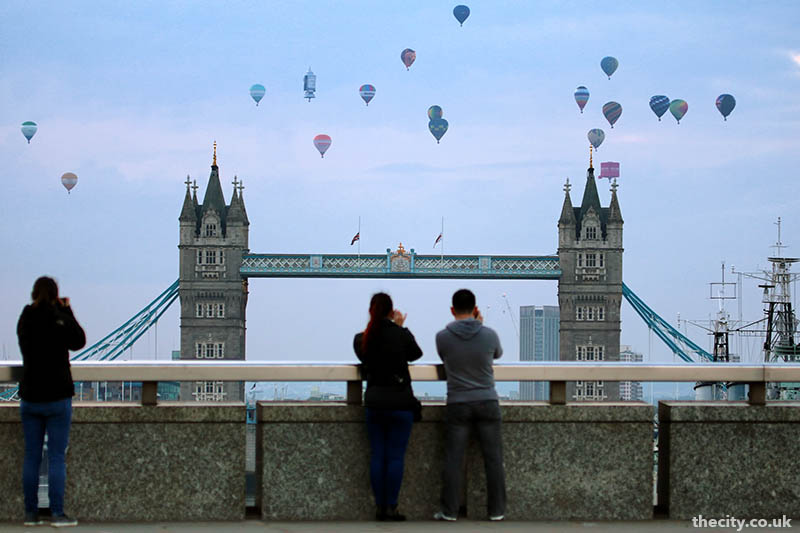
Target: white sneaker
497,518
438,515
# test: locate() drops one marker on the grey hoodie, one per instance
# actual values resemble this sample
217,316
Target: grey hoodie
468,349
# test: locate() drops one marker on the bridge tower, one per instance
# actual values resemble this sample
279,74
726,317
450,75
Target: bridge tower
213,296
590,287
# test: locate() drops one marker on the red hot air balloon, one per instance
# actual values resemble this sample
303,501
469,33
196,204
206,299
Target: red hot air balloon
322,142
408,56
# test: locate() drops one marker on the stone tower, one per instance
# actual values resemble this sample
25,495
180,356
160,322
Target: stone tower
213,238
590,287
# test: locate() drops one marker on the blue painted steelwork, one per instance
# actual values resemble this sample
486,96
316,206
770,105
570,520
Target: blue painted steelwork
399,264
680,345
115,343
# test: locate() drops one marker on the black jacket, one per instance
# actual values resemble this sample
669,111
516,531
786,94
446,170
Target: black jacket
46,334
386,366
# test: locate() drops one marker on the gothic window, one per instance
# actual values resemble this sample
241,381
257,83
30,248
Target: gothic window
199,313
579,312
211,257
211,230
591,233
591,260
210,310
601,313
198,347
580,260
220,310
222,257
199,257
590,313
600,261
209,391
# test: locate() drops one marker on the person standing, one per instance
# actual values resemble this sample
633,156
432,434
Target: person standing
467,349
47,330
385,348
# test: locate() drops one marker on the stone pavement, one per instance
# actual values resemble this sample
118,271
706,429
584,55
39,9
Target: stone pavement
462,526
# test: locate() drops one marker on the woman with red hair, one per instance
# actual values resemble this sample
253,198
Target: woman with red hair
385,348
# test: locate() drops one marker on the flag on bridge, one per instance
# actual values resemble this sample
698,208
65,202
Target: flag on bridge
356,237
609,169
439,238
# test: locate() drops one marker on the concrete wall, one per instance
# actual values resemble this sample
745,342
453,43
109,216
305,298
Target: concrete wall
573,462
131,463
729,458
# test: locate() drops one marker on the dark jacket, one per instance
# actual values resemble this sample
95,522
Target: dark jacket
386,366
46,334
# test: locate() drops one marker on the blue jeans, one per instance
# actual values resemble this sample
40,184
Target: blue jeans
388,438
485,416
38,418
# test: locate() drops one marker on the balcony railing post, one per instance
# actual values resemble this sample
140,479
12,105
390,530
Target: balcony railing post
758,393
354,392
149,392
558,392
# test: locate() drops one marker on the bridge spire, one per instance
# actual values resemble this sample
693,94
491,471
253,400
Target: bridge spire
590,157
214,163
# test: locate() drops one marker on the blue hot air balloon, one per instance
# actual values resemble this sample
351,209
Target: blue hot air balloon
609,65
438,128
29,130
581,96
659,104
366,91
461,13
725,104
257,92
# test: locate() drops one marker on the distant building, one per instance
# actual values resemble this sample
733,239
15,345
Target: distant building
213,238
538,341
590,287
630,390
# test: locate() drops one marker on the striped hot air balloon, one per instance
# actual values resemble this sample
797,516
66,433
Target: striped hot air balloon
581,96
322,142
69,180
612,112
29,130
257,92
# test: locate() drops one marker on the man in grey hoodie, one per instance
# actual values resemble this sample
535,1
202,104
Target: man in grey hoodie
468,349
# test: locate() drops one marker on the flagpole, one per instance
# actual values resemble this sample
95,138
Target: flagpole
442,250
359,241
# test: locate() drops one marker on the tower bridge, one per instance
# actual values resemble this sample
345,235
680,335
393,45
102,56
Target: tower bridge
216,265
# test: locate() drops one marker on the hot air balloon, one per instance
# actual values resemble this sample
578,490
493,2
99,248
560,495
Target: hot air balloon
725,104
678,108
609,65
438,127
367,92
322,142
612,112
29,130
659,104
257,92
596,137
581,96
309,85
408,56
68,180
461,13
434,112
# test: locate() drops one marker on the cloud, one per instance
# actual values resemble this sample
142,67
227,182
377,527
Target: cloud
795,56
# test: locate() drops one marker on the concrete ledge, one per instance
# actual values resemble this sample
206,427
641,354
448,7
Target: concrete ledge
575,461
729,458
132,463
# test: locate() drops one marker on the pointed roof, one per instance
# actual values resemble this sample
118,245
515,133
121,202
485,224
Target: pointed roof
236,211
188,212
614,213
567,211
590,196
214,199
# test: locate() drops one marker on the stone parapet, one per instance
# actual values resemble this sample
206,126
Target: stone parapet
729,458
568,462
127,462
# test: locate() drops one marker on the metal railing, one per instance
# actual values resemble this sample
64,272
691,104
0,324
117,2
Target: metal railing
556,373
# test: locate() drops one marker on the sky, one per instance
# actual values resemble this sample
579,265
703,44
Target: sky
130,96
